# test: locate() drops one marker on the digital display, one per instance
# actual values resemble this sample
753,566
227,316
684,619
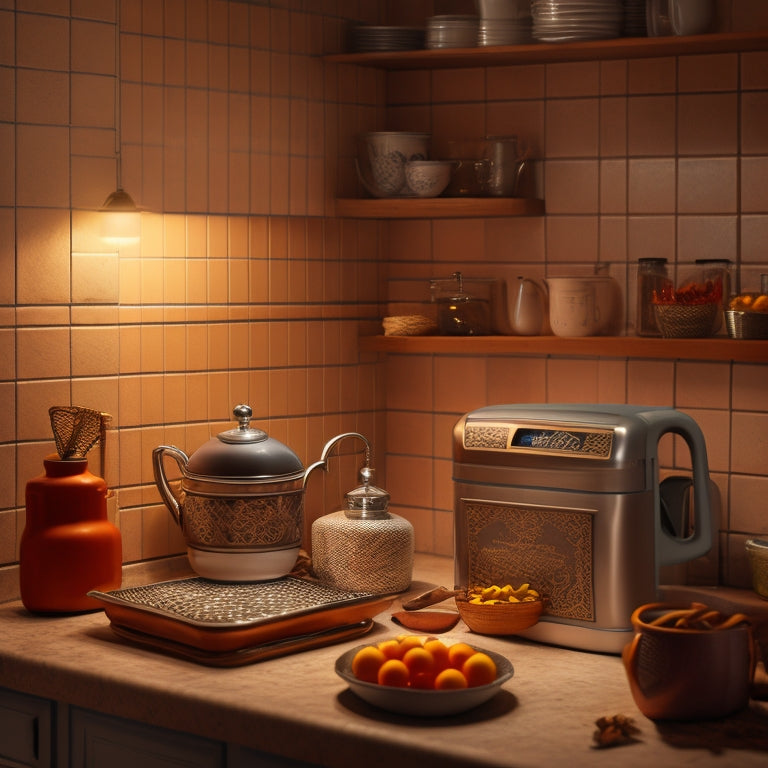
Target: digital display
567,440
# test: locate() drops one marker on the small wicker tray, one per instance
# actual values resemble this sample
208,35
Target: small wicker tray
686,321
409,325
746,325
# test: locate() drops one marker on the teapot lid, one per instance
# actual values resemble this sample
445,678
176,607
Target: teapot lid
245,453
244,432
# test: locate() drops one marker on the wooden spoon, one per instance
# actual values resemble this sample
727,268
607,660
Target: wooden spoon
432,597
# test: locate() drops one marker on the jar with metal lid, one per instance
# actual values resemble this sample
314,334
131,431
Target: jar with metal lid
364,547
652,279
459,312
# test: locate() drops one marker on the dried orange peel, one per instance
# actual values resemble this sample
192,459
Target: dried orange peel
507,594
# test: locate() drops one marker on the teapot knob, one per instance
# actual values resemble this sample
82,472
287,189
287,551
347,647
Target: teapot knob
243,415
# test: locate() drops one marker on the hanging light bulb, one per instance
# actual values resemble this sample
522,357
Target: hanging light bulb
120,218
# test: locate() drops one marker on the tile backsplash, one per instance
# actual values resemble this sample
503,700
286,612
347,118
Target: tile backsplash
225,124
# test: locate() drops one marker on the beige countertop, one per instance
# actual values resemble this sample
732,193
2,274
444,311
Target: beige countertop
297,707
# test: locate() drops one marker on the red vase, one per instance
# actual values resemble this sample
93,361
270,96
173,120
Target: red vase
68,546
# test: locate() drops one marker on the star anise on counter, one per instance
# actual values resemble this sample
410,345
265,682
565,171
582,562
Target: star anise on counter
614,731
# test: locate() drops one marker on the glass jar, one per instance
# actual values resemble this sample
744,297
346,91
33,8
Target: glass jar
717,272
652,279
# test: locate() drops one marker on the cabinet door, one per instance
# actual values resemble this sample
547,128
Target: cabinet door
241,757
98,740
25,730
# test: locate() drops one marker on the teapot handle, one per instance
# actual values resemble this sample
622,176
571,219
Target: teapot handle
169,497
322,463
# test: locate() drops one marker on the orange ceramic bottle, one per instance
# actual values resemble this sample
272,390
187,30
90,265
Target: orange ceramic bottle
68,546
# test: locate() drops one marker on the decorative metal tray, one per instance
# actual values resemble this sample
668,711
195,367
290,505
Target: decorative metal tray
220,617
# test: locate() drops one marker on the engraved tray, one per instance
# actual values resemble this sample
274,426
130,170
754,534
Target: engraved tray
218,617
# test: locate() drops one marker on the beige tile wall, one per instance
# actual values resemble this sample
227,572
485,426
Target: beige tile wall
242,288
245,288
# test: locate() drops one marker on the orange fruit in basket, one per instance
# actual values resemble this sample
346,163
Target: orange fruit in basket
760,304
479,669
393,672
450,679
367,662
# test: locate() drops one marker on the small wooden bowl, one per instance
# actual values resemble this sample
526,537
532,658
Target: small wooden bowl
499,618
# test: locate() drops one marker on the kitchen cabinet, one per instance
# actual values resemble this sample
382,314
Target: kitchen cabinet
98,740
40,733
26,730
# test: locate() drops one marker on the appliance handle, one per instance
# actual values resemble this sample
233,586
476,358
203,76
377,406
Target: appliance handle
671,550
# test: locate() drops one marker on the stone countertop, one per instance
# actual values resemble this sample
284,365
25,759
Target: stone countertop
297,707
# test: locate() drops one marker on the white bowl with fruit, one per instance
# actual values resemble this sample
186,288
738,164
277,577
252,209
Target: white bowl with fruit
424,676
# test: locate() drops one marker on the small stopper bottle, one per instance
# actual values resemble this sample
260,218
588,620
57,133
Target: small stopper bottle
364,547
651,281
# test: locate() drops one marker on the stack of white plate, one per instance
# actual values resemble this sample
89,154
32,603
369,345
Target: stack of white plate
452,31
556,21
634,19
505,32
368,39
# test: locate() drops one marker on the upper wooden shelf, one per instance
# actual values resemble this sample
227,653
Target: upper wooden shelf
717,349
546,53
437,207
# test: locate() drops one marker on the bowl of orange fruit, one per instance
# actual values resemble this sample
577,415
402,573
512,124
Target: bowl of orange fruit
504,610
423,675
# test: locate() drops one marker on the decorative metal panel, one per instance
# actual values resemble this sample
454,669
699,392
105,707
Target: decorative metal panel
552,548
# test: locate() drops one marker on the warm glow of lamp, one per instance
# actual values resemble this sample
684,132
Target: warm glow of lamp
120,218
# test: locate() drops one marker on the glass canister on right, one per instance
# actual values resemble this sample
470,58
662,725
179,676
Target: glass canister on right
717,273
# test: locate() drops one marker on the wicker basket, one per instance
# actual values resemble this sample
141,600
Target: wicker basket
746,325
686,321
409,325
499,618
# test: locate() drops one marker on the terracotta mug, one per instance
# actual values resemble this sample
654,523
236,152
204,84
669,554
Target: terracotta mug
678,673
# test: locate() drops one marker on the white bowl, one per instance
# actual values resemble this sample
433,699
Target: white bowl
424,703
428,178
381,160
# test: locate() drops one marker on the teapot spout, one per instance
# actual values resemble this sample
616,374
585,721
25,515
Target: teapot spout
322,462
161,480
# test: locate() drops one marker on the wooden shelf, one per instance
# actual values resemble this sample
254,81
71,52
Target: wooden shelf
714,349
438,207
547,53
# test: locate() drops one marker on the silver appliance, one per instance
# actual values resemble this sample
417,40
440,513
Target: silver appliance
567,497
